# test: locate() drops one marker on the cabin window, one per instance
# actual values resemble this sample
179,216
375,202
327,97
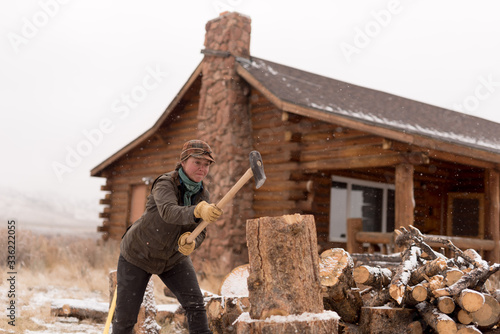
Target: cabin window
138,195
373,202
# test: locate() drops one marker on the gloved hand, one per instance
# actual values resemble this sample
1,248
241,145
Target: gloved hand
207,212
184,247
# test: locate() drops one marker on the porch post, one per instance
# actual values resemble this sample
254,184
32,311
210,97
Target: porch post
404,201
492,192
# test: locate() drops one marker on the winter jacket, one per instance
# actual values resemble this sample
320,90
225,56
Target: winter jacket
151,242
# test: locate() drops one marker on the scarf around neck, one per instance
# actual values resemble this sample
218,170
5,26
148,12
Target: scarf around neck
190,186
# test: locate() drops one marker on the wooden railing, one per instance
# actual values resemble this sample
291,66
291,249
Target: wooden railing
370,242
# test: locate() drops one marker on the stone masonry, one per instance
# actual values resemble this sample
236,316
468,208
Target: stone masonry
224,122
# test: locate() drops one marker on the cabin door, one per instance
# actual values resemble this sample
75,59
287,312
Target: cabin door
138,195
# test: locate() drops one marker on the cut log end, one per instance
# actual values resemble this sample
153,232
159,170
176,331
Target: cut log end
397,292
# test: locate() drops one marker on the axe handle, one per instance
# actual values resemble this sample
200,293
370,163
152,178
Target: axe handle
229,196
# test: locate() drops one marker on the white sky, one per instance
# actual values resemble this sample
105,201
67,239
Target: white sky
67,67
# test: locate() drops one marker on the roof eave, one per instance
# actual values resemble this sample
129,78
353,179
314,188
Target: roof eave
387,132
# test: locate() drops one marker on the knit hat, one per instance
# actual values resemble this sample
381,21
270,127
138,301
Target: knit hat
198,149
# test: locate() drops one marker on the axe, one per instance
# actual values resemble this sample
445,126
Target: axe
256,170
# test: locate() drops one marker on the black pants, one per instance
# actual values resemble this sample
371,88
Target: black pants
181,280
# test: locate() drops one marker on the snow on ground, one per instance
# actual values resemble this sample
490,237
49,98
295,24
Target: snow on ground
33,311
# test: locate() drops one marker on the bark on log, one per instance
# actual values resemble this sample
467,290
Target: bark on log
372,276
326,322
386,258
488,315
339,288
468,280
377,298
79,309
402,276
464,329
440,322
381,320
284,273
223,311
429,269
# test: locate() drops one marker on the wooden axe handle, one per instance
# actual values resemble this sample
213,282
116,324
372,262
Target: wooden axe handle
229,196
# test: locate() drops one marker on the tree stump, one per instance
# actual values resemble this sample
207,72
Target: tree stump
284,261
381,320
283,284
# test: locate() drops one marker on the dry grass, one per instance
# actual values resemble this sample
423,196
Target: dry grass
61,267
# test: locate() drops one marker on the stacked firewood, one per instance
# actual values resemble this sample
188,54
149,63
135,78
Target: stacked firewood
415,291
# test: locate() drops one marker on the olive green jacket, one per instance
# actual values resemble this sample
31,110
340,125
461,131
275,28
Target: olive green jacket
151,242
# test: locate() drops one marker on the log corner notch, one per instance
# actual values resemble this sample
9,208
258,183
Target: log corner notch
283,283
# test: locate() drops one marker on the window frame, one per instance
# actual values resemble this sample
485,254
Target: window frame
350,182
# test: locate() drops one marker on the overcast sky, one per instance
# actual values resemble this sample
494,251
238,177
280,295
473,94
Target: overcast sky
71,71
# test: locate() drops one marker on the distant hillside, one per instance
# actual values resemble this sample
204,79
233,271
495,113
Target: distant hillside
47,214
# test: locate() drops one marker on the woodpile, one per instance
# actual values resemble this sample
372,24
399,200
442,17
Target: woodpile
419,291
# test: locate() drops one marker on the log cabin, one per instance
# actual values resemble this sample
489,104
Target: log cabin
338,151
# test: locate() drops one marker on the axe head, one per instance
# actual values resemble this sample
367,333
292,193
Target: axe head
257,167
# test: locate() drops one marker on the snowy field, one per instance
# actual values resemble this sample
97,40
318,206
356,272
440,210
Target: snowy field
33,311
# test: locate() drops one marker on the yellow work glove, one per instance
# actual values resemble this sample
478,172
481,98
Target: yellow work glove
207,212
184,247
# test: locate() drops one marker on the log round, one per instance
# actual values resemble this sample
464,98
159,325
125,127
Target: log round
488,315
464,317
284,261
470,300
235,283
446,304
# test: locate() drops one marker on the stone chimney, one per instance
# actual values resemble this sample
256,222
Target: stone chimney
224,122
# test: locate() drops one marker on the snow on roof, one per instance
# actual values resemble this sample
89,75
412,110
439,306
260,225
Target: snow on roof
373,107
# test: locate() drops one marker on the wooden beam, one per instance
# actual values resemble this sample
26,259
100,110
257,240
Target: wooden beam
404,201
492,192
354,226
351,162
